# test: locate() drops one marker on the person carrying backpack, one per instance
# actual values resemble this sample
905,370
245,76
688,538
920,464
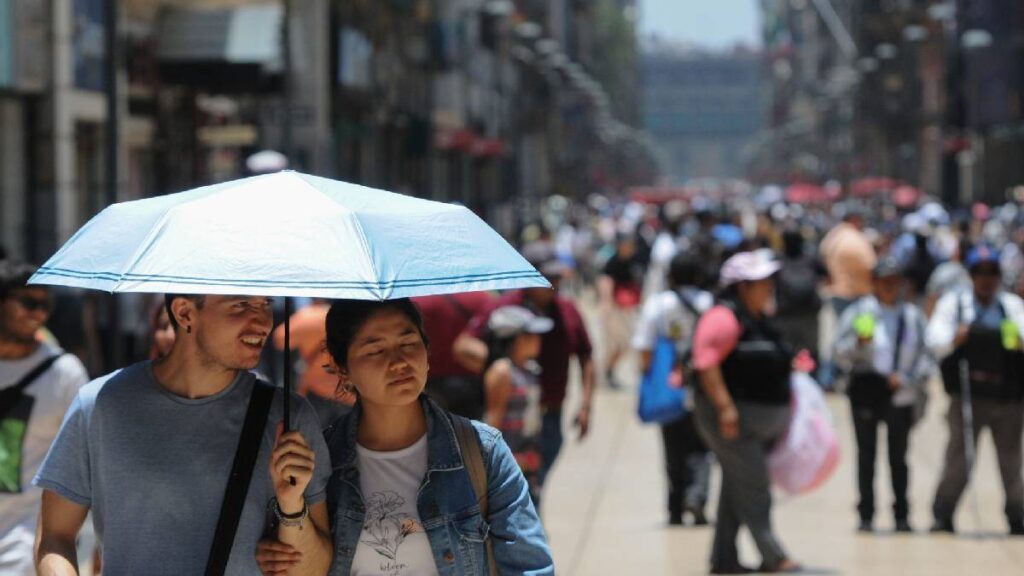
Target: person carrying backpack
798,303
38,381
673,313
977,337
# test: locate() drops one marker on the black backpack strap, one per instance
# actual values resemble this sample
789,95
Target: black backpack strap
473,459
25,382
241,474
901,328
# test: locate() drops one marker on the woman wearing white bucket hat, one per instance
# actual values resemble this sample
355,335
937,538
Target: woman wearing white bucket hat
742,405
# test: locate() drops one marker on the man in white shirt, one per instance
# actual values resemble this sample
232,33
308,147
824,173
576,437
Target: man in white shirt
38,381
673,314
977,337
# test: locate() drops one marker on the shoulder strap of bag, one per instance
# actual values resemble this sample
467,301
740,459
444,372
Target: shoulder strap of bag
26,381
897,345
34,373
473,459
241,474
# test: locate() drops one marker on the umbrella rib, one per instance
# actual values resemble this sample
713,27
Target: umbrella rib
362,236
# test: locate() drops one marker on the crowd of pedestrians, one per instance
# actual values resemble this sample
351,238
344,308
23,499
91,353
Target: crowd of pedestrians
872,301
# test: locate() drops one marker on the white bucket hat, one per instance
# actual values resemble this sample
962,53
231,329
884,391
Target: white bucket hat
748,267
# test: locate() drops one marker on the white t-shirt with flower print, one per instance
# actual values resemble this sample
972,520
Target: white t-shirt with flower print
393,542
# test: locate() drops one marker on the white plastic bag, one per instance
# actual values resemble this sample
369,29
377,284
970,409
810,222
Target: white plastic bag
809,452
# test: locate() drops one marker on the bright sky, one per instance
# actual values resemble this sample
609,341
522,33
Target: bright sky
710,23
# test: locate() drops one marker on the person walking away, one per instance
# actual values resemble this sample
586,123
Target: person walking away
38,381
977,336
849,259
619,291
950,276
454,387
149,449
743,406
513,386
880,346
673,314
798,302
568,339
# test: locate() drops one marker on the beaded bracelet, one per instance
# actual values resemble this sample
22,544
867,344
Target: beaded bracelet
291,520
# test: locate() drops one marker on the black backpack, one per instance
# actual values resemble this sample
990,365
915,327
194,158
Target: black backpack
797,287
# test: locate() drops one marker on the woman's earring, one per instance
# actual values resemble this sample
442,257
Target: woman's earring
188,329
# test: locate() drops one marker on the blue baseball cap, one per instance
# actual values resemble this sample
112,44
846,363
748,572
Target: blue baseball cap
981,254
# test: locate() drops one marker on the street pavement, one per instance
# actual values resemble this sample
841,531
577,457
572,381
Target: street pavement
604,505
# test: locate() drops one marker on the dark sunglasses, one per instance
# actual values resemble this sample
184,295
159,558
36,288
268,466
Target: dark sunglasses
986,272
31,304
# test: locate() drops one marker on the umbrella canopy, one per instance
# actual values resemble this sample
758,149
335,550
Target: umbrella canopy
804,193
288,234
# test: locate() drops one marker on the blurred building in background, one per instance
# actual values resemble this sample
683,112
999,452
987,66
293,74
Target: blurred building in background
927,92
702,108
491,103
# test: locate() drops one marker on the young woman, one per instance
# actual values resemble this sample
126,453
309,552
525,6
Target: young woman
400,498
513,389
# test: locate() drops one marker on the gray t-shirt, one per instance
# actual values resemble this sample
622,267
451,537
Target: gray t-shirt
153,468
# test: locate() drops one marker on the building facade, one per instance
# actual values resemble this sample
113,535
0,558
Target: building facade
703,109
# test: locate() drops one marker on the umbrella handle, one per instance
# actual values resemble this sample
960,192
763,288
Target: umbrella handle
287,398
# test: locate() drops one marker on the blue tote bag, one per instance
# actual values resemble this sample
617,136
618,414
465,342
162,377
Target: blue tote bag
659,402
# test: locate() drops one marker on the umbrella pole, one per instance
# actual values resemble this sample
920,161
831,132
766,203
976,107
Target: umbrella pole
287,363
287,399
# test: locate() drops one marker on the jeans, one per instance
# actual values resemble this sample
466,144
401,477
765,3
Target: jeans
550,441
1006,422
898,420
687,464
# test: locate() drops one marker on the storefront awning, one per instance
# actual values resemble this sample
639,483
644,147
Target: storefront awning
231,48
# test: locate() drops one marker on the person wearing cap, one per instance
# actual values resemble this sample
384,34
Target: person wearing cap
743,406
880,347
454,387
672,314
977,336
567,339
512,386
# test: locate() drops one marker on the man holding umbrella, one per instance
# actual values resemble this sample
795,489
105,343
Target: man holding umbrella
149,449
977,336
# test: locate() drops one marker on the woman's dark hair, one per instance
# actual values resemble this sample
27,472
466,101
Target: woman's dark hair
346,317
497,348
14,275
730,293
685,269
793,244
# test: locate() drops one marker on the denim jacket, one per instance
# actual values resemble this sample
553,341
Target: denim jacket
447,505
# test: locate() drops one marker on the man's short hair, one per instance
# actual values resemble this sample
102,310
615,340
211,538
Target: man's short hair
197,299
14,275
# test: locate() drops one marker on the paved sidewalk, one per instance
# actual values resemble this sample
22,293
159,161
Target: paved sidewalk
604,508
